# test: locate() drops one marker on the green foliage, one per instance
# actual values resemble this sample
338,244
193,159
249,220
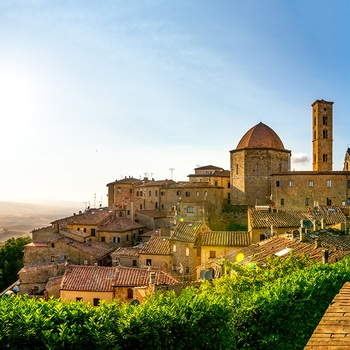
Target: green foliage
276,306
11,260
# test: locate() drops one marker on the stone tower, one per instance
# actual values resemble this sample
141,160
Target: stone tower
259,154
322,135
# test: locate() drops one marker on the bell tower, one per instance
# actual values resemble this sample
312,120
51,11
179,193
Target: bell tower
322,135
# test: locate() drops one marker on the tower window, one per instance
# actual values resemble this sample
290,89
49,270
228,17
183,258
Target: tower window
324,109
324,157
236,169
290,183
311,183
325,134
277,184
307,201
329,183
325,120
282,201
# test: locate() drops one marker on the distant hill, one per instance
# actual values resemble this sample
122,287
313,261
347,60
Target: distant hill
19,219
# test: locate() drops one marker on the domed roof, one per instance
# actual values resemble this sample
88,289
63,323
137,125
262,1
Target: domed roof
260,136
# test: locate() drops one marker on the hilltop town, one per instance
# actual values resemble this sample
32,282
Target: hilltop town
165,235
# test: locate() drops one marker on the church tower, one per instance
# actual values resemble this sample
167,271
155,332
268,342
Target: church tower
322,135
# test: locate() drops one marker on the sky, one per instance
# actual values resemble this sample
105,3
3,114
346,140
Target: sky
95,91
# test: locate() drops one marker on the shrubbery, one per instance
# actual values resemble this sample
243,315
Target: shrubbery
275,307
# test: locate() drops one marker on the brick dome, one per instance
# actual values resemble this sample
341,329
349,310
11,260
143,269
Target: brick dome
260,136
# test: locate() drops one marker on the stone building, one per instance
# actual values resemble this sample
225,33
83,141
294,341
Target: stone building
259,154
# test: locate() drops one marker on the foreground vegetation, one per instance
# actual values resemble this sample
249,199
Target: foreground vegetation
272,307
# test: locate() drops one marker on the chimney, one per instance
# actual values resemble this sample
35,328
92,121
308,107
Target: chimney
317,243
325,254
302,234
152,278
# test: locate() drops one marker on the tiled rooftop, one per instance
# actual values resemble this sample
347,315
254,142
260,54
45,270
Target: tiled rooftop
263,219
153,213
188,231
90,216
102,278
225,238
338,247
333,331
119,224
127,252
157,245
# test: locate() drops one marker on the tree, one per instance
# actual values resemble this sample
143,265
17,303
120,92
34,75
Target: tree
11,260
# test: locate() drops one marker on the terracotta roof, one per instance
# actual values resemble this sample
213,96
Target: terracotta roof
156,183
188,184
263,219
338,247
260,136
90,216
157,245
226,238
119,224
333,331
127,252
188,231
209,167
95,249
164,231
103,279
130,180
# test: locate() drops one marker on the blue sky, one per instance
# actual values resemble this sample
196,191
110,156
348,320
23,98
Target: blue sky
92,91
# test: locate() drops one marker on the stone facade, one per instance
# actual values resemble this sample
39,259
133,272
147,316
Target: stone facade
308,189
251,171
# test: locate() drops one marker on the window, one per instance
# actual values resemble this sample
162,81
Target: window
348,201
205,193
325,120
162,193
93,232
311,183
137,193
212,254
52,245
236,169
128,212
52,258
197,193
156,192
156,205
190,210
178,193
215,183
187,251
314,135
149,262
325,134
119,190
329,183
130,293
187,269
150,193
103,239
187,194
141,206
127,237
134,263
130,191
116,239
324,109
280,167
277,184
315,120
84,229
229,185
96,301
78,299
290,183
329,201
282,201
307,201
324,157
348,183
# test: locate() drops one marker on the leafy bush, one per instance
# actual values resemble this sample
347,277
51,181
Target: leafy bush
272,307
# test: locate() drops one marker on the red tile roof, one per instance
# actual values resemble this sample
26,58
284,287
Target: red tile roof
157,245
103,279
90,216
119,224
333,331
338,247
188,231
226,238
290,218
127,252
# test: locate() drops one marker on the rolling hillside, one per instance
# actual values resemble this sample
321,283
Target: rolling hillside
19,219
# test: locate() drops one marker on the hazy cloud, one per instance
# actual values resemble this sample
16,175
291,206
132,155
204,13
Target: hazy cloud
300,158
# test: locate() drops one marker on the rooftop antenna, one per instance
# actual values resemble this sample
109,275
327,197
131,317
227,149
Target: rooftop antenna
171,172
87,205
